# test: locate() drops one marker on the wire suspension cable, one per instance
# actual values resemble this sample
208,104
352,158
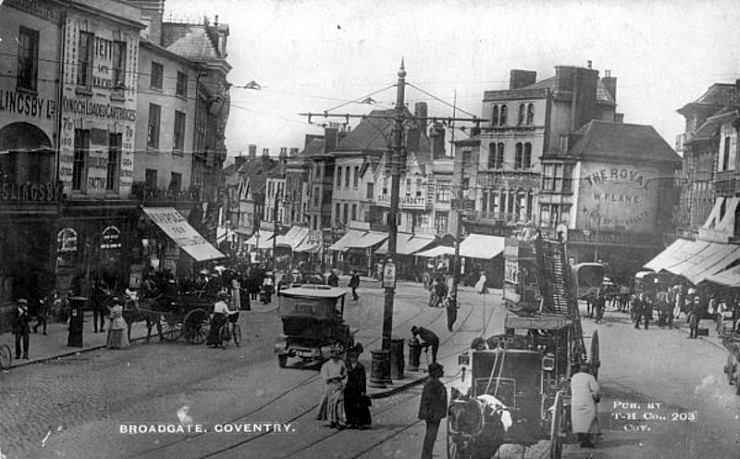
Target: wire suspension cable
438,99
360,99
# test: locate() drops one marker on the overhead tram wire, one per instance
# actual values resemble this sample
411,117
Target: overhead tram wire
453,106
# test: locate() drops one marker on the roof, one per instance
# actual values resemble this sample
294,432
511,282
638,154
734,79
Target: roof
374,133
438,251
195,44
729,278
481,246
712,125
407,243
602,94
257,169
623,142
718,95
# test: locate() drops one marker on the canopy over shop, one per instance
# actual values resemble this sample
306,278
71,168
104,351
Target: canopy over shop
182,235
357,249
407,246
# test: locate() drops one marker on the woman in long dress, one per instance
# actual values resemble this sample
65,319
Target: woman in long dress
331,409
356,401
117,338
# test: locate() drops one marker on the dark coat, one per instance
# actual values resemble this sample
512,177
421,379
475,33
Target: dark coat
428,336
20,322
433,405
356,403
354,282
333,280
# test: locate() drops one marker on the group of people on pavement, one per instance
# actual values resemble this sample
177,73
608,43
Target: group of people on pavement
345,403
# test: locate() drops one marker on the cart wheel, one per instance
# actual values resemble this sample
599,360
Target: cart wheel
6,358
196,326
225,334
282,360
170,329
595,360
237,335
556,428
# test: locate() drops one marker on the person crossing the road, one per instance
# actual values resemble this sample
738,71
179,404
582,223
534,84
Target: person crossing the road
21,329
354,284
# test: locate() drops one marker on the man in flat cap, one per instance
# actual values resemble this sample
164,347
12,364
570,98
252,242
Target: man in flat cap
432,407
21,329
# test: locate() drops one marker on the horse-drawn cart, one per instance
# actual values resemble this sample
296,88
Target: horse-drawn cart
518,389
187,316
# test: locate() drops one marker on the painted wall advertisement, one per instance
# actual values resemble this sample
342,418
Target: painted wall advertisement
615,197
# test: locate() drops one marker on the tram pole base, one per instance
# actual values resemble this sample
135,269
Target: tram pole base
380,369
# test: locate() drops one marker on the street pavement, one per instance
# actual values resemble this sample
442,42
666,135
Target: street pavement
76,406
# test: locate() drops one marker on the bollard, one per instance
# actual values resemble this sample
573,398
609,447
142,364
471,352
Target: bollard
397,361
414,355
76,319
380,370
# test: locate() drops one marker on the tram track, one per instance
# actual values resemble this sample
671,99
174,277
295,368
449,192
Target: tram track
274,400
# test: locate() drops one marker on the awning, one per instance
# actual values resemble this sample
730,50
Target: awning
293,238
711,260
437,252
407,244
481,246
350,238
687,252
666,257
264,241
184,235
370,239
308,246
729,278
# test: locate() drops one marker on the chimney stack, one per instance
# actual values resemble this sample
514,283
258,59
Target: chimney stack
610,83
420,110
521,78
330,139
265,152
252,151
283,154
437,137
588,63
293,152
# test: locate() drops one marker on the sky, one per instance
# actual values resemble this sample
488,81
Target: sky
315,55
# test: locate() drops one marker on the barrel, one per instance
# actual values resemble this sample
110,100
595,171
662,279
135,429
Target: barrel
380,369
397,361
414,355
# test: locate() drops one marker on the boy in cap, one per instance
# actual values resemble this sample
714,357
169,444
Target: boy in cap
433,407
21,329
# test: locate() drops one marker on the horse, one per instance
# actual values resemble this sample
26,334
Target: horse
147,313
478,425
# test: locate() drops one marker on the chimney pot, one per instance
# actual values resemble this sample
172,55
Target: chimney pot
607,73
588,63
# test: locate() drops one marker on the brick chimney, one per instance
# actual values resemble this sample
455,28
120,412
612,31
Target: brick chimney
265,152
283,154
420,110
610,83
292,152
330,139
252,151
521,78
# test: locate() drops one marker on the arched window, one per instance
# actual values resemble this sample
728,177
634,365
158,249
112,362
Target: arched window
530,114
527,159
502,117
494,115
518,156
522,109
500,155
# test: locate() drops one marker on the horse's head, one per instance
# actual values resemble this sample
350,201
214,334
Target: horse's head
465,416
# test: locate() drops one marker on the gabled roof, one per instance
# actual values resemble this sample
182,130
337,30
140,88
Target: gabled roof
370,133
196,44
622,142
256,169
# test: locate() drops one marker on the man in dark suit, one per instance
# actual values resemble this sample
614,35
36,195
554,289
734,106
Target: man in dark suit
354,284
433,407
429,338
21,329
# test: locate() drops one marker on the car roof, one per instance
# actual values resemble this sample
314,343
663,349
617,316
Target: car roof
314,290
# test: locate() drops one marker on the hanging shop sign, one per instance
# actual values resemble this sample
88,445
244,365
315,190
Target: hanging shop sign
67,240
111,238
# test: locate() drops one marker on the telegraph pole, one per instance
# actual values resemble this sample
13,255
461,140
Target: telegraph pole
380,370
275,224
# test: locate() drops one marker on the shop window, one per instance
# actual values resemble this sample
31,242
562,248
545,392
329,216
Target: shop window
181,89
176,182
155,79
179,134
119,64
155,112
79,164
28,58
530,114
85,59
114,162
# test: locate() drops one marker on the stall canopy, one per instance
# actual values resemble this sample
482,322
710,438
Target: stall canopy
264,241
481,246
711,260
293,238
670,256
370,239
185,236
347,241
729,278
308,246
436,252
408,243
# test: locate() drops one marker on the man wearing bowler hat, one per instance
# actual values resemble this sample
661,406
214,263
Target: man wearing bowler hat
21,329
433,407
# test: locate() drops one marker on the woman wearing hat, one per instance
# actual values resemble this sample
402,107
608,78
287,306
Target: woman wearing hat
356,401
218,319
117,338
334,373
